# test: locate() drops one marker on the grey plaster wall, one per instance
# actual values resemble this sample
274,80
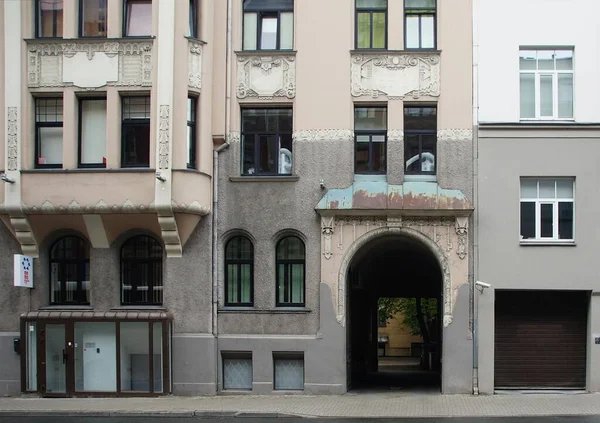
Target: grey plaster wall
455,165
506,264
10,365
13,300
194,364
395,164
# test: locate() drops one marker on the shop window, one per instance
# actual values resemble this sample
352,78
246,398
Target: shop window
142,271
70,271
95,357
290,272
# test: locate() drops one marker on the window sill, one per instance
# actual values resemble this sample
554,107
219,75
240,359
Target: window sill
251,310
67,307
420,178
265,52
91,170
189,37
380,50
547,243
292,178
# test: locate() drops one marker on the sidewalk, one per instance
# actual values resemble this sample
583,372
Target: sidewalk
393,404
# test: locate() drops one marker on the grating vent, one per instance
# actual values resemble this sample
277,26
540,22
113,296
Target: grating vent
237,373
289,373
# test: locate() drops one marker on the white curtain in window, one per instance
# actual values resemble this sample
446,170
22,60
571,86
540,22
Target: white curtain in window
427,32
50,147
268,37
565,95
93,131
139,18
412,32
287,30
250,21
546,95
527,95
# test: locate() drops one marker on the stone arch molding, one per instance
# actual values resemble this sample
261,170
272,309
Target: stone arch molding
360,242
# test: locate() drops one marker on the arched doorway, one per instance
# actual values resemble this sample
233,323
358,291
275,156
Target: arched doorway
394,310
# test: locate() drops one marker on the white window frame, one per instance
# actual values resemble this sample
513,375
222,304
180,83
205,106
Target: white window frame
539,201
554,73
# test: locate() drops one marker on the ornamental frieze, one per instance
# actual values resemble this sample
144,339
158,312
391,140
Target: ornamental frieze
266,77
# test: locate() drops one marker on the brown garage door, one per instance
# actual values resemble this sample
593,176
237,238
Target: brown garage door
540,339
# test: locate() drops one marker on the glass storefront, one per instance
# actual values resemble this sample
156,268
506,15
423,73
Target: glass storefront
95,353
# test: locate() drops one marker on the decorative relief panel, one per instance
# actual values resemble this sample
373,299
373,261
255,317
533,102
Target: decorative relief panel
90,64
266,77
12,140
324,135
194,64
163,137
395,75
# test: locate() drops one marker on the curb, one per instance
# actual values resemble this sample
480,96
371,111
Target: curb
165,414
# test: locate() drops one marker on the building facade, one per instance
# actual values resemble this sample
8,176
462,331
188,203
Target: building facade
537,176
215,194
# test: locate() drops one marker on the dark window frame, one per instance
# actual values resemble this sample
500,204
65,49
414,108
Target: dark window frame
147,260
193,19
39,125
238,262
257,136
79,133
191,154
420,133
138,122
288,284
420,12
81,22
370,11
370,133
38,22
126,17
260,15
81,262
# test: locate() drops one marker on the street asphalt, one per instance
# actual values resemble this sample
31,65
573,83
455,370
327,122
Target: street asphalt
180,419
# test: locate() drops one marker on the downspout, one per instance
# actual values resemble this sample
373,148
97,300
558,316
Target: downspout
475,101
215,212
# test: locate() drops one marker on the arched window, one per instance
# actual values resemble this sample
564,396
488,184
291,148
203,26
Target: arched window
239,272
70,271
291,262
141,271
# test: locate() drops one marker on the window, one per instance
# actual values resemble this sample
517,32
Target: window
193,30
267,141
48,132
49,18
288,371
92,132
419,24
547,209
268,24
141,271
370,135
371,24
237,371
135,132
290,262
546,84
138,18
92,18
191,133
239,272
420,139
70,271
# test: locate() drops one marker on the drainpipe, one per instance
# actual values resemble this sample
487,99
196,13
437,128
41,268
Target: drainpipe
215,213
475,100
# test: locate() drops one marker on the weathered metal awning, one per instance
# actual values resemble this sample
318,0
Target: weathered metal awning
97,315
410,198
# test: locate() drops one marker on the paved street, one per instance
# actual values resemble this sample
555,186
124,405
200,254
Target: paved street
179,419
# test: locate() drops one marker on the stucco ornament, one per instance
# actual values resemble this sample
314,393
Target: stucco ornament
195,65
163,137
455,134
324,135
327,225
395,135
462,224
12,141
266,77
88,64
395,75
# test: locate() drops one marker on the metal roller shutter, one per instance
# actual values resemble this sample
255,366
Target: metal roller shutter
540,339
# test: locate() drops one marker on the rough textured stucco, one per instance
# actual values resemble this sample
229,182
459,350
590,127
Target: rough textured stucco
13,300
10,365
194,365
455,165
395,162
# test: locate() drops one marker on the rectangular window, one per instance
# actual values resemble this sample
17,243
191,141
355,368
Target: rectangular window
48,132
92,132
546,84
135,132
138,18
267,141
420,140
49,18
237,371
193,17
288,371
191,132
420,24
92,18
370,140
371,24
547,209
268,25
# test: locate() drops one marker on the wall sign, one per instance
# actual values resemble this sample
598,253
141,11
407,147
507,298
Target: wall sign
23,271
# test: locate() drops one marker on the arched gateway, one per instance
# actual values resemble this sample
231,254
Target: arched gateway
376,251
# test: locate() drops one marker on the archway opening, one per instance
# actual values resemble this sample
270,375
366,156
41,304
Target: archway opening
394,316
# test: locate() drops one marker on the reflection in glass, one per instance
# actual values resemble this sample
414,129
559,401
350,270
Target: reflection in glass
56,359
95,357
135,357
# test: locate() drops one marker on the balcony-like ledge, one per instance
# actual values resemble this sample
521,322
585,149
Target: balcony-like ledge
395,74
266,75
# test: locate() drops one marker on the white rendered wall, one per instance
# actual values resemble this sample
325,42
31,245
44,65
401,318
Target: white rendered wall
506,25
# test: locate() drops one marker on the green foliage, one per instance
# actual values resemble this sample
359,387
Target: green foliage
389,307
